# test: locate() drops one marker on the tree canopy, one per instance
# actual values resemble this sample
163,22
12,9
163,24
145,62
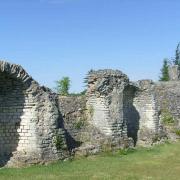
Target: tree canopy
164,71
166,63
177,56
63,85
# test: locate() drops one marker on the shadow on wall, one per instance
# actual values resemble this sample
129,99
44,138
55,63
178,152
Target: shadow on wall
71,142
131,115
11,108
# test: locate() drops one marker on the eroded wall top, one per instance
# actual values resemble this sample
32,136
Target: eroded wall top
15,71
31,113
104,81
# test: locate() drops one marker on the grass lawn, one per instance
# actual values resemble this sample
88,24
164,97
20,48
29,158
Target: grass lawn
160,162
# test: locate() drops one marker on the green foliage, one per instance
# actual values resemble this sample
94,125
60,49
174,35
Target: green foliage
63,86
59,142
79,124
167,118
177,131
176,61
159,162
164,71
83,92
126,151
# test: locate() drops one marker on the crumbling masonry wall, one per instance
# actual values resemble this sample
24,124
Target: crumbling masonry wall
146,105
16,130
37,125
167,95
29,119
82,137
121,108
73,114
105,101
174,73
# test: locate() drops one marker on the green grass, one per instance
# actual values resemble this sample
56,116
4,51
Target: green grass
161,162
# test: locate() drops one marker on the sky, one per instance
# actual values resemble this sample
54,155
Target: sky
56,38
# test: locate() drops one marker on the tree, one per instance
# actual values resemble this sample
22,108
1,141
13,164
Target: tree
177,56
164,71
63,86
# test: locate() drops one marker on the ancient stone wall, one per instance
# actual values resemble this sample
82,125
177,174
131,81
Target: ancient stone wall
174,73
29,119
15,109
37,125
82,137
105,101
120,108
145,104
74,120
167,95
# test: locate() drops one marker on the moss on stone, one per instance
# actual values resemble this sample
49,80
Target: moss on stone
80,123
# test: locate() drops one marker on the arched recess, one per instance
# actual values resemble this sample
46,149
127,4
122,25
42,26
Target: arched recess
130,113
16,112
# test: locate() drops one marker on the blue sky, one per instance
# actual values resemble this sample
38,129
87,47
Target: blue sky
56,38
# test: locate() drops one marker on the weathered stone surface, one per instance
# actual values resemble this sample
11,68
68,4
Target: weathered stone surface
28,119
38,126
167,95
81,136
74,121
119,108
174,73
146,106
151,100
105,101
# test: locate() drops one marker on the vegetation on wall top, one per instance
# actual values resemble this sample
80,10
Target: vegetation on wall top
166,63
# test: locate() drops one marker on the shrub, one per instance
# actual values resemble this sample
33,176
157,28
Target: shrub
79,124
59,142
167,118
177,131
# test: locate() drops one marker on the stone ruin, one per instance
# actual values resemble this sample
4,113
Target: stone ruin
39,126
122,108
106,99
174,73
29,119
